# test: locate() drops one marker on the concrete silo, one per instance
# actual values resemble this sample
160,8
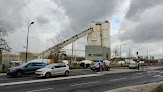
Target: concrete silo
105,34
98,47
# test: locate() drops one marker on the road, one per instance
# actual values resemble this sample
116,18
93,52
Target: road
80,83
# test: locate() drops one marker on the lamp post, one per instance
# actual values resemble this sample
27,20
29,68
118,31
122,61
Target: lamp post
27,40
120,53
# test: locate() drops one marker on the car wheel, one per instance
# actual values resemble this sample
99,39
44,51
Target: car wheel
19,73
66,73
93,70
48,74
108,69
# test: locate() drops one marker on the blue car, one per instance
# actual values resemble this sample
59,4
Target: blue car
27,68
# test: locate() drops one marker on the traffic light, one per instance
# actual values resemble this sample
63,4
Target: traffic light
137,53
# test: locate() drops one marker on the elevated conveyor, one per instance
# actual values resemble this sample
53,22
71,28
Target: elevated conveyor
59,46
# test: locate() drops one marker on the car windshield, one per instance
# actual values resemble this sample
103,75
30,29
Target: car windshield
132,63
49,66
24,64
98,63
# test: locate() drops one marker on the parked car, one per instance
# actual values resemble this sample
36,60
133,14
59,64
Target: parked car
53,69
100,66
27,68
133,66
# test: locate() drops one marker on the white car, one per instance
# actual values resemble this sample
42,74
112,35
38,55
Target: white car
133,65
53,69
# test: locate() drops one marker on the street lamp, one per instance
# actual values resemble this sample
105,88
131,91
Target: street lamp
120,53
27,40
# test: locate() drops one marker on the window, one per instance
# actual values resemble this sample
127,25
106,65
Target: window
38,64
99,63
56,66
97,54
89,54
62,65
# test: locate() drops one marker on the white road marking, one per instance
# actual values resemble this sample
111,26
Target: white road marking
137,76
84,83
160,72
157,76
138,73
118,79
3,79
149,72
40,90
44,80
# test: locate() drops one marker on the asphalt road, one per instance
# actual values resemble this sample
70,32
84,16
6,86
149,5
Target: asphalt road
86,84
7,79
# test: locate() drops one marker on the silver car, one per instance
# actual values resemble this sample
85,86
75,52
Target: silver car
133,66
53,69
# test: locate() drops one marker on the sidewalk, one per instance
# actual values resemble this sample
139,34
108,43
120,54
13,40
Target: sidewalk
3,74
138,88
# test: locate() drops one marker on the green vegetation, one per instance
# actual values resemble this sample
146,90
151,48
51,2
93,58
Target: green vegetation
158,88
75,67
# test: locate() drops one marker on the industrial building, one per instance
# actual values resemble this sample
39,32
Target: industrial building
98,47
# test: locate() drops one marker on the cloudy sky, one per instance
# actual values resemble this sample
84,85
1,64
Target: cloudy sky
137,23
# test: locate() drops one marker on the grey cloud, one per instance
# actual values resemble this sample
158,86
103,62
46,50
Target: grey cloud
81,13
146,26
42,20
138,6
10,12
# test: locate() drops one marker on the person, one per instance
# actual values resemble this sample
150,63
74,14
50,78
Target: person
3,67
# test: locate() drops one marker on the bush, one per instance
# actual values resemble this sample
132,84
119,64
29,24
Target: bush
75,67
158,89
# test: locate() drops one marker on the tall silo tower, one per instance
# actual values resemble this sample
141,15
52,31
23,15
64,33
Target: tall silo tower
98,47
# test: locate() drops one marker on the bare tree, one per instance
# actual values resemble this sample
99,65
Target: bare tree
58,53
129,53
115,51
3,43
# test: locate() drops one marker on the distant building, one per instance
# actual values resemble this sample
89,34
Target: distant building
146,57
151,57
140,57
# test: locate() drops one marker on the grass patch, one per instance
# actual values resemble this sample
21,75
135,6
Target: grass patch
159,88
75,67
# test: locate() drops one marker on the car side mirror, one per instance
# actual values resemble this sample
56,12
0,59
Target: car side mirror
53,68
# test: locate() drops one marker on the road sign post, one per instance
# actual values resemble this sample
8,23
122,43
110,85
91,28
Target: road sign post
138,63
138,59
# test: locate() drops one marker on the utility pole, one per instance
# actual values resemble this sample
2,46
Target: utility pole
72,53
120,53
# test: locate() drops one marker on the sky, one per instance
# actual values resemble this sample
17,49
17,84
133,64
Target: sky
136,23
